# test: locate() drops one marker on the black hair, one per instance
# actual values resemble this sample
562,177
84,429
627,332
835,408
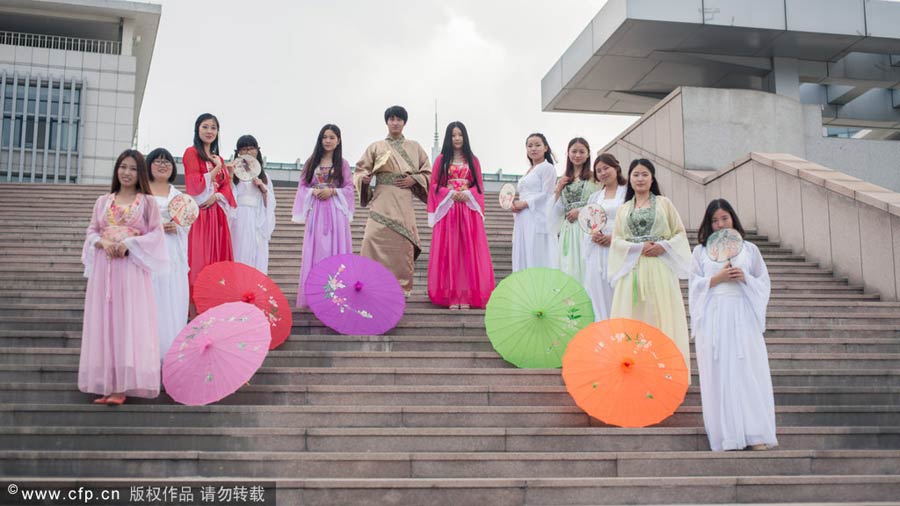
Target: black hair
198,143
143,180
337,161
654,186
162,153
612,161
248,141
548,155
706,225
586,169
447,155
396,111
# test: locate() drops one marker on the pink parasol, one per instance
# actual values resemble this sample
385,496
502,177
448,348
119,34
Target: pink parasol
216,353
354,295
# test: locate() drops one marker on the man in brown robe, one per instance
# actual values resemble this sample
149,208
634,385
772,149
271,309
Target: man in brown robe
388,176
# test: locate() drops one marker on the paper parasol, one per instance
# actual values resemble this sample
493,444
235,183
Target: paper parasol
216,353
223,282
354,295
532,315
625,372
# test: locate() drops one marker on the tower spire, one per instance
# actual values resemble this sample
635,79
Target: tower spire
436,147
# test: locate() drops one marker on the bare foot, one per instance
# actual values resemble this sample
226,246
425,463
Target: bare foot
115,400
101,400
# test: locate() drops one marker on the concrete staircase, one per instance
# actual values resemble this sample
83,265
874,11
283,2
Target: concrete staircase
429,414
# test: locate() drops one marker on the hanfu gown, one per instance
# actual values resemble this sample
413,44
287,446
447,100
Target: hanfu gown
534,243
209,240
120,344
596,257
327,231
460,270
647,288
171,289
727,322
253,224
574,195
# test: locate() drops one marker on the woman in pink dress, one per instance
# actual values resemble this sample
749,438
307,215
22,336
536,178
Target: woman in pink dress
460,271
324,203
125,245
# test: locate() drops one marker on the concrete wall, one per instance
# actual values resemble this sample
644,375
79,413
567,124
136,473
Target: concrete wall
875,161
721,125
107,99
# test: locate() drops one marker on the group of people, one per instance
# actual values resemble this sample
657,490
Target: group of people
631,268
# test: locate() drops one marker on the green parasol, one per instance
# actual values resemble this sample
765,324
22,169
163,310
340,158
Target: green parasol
533,314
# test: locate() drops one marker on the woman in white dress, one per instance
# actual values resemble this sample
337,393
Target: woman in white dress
171,289
254,219
534,245
728,317
595,248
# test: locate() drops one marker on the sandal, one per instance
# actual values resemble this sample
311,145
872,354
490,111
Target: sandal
454,307
101,400
464,306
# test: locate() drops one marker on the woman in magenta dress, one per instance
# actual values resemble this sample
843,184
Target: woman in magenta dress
324,202
460,271
125,246
207,179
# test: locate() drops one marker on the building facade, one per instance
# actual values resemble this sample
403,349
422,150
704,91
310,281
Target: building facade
72,79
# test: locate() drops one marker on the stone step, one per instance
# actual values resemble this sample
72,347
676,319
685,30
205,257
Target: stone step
793,377
282,464
425,395
397,416
513,440
337,342
777,327
837,490
452,359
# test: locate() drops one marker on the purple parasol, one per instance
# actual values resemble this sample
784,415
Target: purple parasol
354,295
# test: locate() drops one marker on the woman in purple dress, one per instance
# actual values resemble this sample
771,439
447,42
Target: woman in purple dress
324,203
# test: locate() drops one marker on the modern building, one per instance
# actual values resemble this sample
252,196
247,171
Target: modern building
819,79
72,79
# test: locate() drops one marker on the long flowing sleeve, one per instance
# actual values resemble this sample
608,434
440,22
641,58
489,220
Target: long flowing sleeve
363,168
698,289
344,199
149,250
557,214
89,250
303,199
439,200
422,175
677,246
623,254
197,182
757,286
539,203
267,213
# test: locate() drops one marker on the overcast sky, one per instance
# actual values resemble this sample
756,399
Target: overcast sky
281,69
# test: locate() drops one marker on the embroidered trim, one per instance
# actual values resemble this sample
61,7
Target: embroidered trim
396,227
397,146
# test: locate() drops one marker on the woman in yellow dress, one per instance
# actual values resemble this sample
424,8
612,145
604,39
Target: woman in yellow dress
649,253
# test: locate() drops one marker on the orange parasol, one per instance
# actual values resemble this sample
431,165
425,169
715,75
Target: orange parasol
625,372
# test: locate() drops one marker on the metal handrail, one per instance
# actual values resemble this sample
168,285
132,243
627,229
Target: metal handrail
60,42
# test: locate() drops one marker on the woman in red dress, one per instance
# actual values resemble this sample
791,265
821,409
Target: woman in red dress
207,179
